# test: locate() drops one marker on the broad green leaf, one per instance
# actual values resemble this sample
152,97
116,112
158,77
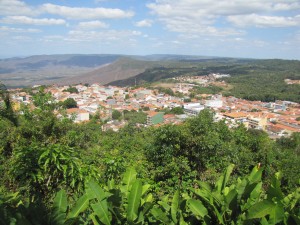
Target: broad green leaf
94,219
93,190
204,185
227,174
181,220
81,205
264,221
101,210
277,214
60,205
260,209
145,188
128,178
146,208
255,175
291,200
160,215
60,201
175,206
221,184
274,190
231,200
111,184
205,195
165,203
197,207
134,200
254,195
148,198
241,188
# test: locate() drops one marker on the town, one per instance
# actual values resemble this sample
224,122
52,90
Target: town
280,118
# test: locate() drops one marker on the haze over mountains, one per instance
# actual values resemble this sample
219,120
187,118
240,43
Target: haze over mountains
120,70
72,69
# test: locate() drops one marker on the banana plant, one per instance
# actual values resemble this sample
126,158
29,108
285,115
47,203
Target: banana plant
276,208
245,201
14,211
169,212
227,205
63,214
128,203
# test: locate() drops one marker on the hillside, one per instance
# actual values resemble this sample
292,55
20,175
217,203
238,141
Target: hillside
123,68
251,79
47,69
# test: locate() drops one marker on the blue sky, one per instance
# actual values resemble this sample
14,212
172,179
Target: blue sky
233,28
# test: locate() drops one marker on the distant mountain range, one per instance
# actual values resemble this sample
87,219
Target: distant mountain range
112,69
77,68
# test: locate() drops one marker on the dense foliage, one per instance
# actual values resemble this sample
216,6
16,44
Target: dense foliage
54,171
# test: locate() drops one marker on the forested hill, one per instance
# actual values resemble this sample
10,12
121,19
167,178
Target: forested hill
250,79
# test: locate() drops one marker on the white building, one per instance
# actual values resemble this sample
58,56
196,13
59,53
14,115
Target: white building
193,108
79,115
216,103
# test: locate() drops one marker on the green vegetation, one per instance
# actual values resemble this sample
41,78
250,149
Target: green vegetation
250,79
115,115
68,103
211,89
71,90
134,117
131,202
175,110
54,171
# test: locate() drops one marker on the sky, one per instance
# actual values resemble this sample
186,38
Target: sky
229,28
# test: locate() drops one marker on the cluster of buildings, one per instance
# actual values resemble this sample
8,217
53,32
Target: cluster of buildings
212,77
289,81
278,119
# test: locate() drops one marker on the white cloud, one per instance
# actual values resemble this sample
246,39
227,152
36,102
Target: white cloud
18,30
92,25
144,23
15,7
264,21
32,21
107,35
86,13
207,17
21,38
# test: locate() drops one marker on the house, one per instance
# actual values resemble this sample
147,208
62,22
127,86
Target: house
235,118
154,118
193,108
257,123
80,115
215,103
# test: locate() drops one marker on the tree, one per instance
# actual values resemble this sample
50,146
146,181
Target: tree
116,115
70,103
43,100
6,109
71,90
134,117
177,111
